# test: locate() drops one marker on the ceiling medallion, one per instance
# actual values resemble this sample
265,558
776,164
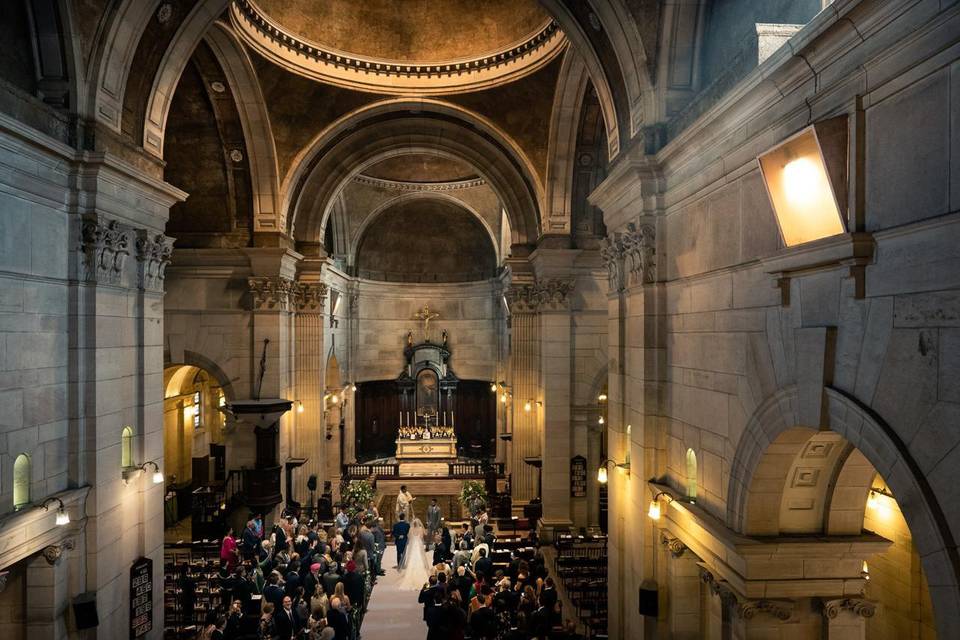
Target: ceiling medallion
236,155
165,12
314,60
218,86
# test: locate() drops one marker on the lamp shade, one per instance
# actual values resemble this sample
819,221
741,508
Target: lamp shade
801,192
602,474
157,477
63,518
654,511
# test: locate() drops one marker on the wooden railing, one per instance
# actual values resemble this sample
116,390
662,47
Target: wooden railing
257,488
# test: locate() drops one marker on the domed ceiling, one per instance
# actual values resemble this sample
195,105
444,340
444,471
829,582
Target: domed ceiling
414,31
426,47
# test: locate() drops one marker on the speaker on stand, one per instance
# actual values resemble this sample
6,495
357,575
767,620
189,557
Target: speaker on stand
312,487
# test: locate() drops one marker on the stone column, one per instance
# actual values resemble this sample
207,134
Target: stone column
846,618
683,590
524,381
310,296
47,597
556,431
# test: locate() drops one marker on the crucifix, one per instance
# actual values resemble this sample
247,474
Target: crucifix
425,316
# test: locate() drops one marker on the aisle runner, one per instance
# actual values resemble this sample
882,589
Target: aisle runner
393,614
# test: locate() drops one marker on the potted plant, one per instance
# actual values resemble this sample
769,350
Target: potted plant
356,496
473,495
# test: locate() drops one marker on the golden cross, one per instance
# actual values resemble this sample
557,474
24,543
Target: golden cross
425,316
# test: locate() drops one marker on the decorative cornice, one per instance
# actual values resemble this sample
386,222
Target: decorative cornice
342,68
104,247
630,256
271,292
399,185
549,294
858,606
153,256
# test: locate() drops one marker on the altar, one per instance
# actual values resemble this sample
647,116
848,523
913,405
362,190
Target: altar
426,449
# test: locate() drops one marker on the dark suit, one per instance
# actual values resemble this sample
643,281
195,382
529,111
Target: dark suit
400,531
286,623
340,623
354,588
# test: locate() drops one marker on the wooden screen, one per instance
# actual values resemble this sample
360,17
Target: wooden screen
476,423
377,419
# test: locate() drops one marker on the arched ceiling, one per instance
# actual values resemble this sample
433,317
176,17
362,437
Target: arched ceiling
421,167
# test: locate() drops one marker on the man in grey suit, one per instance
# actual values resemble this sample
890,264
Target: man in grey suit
433,522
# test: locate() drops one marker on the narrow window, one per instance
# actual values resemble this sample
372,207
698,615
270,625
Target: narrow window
126,447
21,481
691,475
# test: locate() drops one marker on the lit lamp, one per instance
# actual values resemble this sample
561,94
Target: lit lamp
528,405
602,471
602,397
493,387
157,474
63,518
299,406
654,511
799,183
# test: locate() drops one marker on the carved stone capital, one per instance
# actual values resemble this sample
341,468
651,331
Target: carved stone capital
271,292
779,609
549,294
54,552
104,247
153,256
675,545
858,606
640,253
310,296
611,252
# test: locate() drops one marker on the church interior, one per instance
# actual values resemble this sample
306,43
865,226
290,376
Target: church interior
660,297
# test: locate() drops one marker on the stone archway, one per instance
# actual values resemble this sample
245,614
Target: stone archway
779,415
398,127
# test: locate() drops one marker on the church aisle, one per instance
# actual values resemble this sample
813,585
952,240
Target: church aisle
392,613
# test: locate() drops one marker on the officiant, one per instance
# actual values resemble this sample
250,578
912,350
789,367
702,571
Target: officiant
404,506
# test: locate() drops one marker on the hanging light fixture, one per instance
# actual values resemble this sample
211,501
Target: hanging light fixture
528,405
299,406
602,475
600,420
493,387
63,518
653,512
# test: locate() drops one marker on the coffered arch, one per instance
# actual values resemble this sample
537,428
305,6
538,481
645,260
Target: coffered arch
399,127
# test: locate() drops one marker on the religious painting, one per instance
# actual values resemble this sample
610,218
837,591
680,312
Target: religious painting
427,392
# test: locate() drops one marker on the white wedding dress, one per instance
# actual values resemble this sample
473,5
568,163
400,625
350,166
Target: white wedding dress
415,568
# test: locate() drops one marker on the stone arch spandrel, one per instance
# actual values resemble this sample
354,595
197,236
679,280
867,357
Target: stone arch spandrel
882,447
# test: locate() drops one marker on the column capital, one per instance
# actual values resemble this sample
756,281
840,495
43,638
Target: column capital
271,292
104,247
675,545
309,296
549,294
858,606
153,256
630,256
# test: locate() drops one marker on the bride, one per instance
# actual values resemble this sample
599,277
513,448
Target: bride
415,568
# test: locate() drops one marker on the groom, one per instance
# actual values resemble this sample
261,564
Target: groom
400,530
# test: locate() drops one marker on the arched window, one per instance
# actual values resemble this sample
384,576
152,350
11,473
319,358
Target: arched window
21,481
691,475
126,447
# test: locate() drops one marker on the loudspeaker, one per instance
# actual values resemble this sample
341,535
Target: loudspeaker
85,610
312,483
649,603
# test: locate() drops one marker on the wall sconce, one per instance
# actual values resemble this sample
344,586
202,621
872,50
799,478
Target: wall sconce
805,180
600,420
63,518
129,474
299,406
654,511
334,398
353,387
602,471
493,387
527,406
602,397
876,501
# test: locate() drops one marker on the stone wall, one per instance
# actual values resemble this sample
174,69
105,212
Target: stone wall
722,331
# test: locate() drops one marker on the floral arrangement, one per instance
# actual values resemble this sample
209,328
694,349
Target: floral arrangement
356,496
473,495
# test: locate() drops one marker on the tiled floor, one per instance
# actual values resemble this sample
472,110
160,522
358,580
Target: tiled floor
393,614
